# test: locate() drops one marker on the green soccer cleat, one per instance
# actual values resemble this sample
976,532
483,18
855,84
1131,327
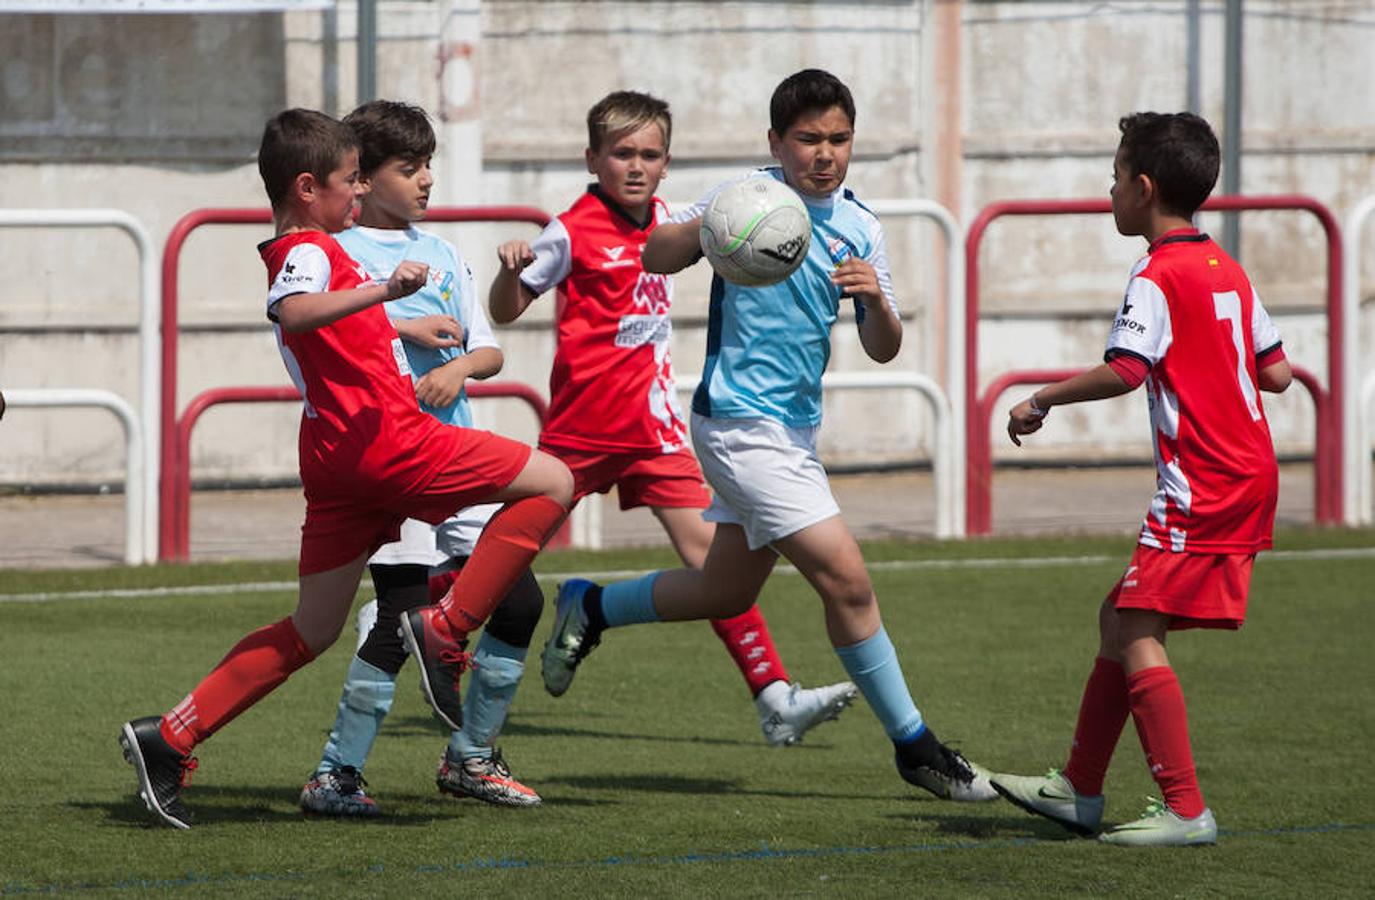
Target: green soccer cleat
1160,827
569,642
1051,795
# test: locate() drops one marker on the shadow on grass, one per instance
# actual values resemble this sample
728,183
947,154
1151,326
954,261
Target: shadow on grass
673,784
992,827
237,805
410,726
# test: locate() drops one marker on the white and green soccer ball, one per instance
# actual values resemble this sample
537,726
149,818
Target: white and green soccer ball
756,232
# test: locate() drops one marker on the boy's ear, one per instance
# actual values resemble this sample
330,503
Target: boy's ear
774,141
1146,184
304,186
590,157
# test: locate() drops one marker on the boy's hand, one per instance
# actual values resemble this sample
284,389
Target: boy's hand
408,278
515,255
433,332
1025,418
857,279
440,386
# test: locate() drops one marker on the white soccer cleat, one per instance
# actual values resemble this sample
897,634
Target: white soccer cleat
1051,795
950,776
1159,826
786,712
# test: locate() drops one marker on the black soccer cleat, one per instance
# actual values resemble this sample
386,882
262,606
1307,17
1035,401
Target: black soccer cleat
441,660
162,771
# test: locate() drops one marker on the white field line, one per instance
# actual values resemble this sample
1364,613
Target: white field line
1042,562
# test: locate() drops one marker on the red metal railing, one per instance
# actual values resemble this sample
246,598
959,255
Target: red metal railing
171,463
985,410
180,520
1327,486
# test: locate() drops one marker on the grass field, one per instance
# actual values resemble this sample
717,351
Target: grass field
655,778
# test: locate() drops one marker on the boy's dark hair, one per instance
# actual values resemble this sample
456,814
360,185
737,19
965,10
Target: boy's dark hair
1178,151
811,90
387,128
300,140
622,112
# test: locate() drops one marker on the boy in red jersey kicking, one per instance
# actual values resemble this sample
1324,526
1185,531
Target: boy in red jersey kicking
1193,329
614,417
370,458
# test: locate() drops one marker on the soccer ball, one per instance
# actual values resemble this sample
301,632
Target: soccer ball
756,232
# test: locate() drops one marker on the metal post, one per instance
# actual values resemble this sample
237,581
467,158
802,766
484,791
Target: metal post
367,50
1231,140
329,60
1194,92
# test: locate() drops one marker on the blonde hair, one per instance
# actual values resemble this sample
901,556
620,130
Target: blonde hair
623,112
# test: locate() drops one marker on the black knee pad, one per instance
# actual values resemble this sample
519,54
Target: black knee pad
515,618
399,589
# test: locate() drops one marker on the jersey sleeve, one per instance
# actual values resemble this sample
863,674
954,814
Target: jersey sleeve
553,251
878,258
1142,326
305,270
477,330
1264,335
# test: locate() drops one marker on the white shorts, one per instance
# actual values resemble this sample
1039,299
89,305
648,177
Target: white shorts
457,535
765,477
416,547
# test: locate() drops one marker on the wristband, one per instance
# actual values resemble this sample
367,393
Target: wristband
1036,409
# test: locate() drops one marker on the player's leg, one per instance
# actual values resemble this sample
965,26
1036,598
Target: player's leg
829,558
786,711
727,585
160,747
472,765
1073,797
537,499
336,788
1157,708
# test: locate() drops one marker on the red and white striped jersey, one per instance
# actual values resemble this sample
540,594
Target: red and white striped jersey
611,388
362,431
1191,315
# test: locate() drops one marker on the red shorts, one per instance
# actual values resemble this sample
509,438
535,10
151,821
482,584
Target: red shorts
1197,590
346,524
666,480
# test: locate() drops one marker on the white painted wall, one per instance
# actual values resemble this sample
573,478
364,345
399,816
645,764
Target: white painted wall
173,127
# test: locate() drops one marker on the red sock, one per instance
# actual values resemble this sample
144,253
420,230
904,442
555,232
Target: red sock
507,546
1102,715
1163,725
751,646
249,672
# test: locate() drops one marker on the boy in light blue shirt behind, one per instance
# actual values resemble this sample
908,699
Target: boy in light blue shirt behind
754,424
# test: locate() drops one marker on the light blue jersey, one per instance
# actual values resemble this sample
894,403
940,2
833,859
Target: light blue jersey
449,291
768,346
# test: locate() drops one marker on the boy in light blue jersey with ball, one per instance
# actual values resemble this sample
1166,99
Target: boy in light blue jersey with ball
447,340
755,418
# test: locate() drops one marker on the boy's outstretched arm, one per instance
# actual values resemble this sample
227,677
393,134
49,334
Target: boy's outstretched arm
672,247
880,329
1098,383
508,296
306,312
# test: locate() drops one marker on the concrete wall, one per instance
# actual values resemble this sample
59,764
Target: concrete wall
172,126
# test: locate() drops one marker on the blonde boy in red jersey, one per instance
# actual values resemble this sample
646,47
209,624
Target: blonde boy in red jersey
1192,327
613,417
370,458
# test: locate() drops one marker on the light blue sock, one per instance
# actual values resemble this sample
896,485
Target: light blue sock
630,602
874,668
497,670
367,698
